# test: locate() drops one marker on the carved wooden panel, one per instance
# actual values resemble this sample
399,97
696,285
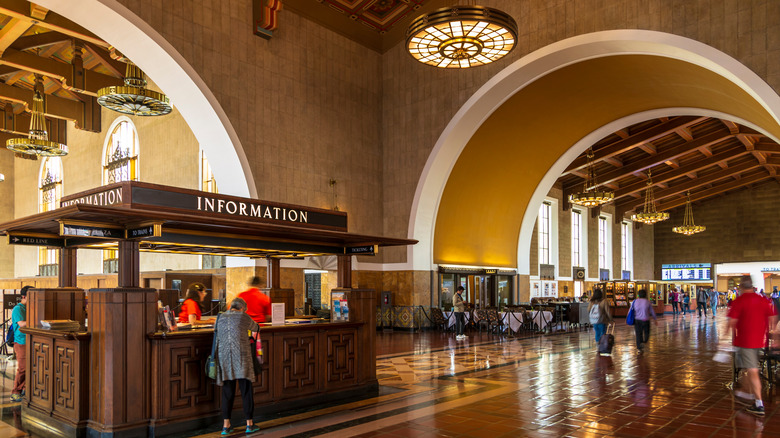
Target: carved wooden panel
39,373
65,376
340,359
188,387
298,364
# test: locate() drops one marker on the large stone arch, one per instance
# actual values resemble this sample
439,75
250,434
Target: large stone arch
597,83
137,40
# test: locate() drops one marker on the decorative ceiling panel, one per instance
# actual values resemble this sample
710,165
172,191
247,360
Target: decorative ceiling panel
379,15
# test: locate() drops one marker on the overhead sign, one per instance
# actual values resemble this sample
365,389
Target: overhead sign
361,250
145,231
36,241
91,231
687,272
111,196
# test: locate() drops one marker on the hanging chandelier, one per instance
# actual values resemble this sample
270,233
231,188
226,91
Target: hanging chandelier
461,36
688,227
134,98
591,196
37,142
650,216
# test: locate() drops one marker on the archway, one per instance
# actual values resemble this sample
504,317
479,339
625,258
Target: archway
137,40
596,83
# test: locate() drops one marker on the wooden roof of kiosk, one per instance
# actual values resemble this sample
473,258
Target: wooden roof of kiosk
175,220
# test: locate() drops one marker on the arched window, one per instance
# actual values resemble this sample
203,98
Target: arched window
120,163
49,195
209,184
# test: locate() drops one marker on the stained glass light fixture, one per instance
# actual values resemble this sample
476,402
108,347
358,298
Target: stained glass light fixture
591,196
37,142
134,98
461,36
649,215
688,228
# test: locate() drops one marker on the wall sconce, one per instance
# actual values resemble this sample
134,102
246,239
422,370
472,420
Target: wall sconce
332,184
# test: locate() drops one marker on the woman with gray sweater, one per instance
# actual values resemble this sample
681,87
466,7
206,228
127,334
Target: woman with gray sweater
235,362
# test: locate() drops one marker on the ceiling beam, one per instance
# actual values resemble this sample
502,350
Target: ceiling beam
24,10
683,170
11,31
55,70
715,190
669,154
635,140
631,204
38,40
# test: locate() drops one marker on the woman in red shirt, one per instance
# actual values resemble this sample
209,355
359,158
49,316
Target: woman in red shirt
190,308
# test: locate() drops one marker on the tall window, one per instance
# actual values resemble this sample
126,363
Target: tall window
625,246
603,243
545,226
209,184
576,238
49,194
120,163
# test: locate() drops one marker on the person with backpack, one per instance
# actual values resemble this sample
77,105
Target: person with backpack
674,298
599,313
643,311
19,320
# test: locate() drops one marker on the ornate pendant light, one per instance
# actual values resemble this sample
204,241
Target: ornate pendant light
461,36
134,98
591,196
688,227
650,216
37,142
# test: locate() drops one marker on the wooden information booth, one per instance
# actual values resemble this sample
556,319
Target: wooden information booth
120,375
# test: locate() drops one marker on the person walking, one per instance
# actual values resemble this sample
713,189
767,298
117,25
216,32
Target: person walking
643,311
714,302
674,298
686,302
235,363
599,313
749,319
459,307
258,304
701,301
19,320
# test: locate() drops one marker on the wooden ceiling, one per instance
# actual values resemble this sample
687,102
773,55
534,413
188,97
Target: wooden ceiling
707,156
71,62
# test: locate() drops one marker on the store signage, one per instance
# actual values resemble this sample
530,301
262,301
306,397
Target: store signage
770,269
147,231
91,231
36,241
687,272
109,197
361,250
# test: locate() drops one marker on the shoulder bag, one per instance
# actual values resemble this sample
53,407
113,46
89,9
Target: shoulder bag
257,351
211,361
630,316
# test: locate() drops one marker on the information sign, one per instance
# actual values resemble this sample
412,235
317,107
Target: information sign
36,241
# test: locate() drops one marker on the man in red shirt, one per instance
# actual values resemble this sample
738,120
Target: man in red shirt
258,305
750,316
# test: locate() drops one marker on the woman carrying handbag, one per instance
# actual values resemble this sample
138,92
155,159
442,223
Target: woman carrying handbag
235,362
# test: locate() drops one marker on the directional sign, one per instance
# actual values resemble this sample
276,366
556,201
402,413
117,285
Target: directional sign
91,231
361,250
36,241
147,231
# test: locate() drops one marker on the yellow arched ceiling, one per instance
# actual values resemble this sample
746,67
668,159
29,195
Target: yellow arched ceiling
490,186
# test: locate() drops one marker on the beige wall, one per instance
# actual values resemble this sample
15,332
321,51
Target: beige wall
7,211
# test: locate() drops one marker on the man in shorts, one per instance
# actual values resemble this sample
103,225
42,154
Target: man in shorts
750,317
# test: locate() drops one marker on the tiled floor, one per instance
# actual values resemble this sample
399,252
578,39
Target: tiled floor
543,386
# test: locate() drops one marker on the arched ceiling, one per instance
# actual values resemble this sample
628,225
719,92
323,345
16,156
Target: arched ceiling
489,188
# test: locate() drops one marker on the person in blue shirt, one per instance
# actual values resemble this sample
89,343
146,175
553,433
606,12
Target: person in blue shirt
19,320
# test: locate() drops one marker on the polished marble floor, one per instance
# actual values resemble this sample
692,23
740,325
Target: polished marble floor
539,386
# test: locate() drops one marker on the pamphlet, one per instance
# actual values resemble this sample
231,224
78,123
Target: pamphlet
277,313
337,310
344,311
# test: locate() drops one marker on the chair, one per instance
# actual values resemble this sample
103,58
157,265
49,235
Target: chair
494,321
481,319
438,318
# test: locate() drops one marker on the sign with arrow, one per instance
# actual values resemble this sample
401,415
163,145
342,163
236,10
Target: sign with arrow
361,250
36,241
145,231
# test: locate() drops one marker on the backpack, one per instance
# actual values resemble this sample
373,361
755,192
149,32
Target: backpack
9,335
594,314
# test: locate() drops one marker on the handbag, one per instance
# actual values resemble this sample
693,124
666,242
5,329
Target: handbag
630,316
257,349
211,361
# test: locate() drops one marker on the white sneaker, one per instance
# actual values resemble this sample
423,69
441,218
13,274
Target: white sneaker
457,337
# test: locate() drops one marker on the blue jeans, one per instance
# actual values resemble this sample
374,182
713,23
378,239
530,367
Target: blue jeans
714,307
599,329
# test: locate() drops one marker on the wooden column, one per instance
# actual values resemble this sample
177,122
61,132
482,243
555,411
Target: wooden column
120,321
274,269
67,269
60,303
344,280
129,264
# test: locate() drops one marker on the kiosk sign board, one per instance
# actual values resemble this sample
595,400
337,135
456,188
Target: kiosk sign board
687,272
11,300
